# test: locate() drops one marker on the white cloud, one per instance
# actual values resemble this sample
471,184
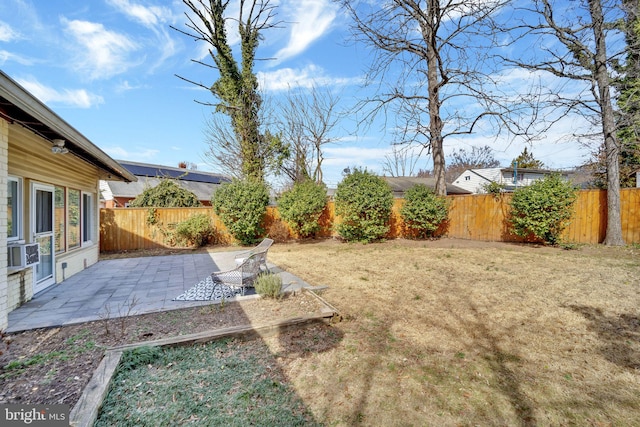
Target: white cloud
155,18
311,19
8,56
71,97
122,153
308,77
125,86
149,16
103,53
7,33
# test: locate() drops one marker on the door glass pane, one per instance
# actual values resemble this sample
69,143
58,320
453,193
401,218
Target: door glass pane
44,270
59,229
44,215
74,219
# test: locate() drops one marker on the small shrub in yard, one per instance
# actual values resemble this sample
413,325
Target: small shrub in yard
543,209
302,206
197,230
423,211
268,285
364,202
494,188
241,206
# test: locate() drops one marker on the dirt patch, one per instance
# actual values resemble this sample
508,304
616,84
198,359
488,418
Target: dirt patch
50,366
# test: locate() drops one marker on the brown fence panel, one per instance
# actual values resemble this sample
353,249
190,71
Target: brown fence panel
142,228
630,214
473,217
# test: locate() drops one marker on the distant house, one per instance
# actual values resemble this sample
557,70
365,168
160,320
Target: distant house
475,180
118,194
400,184
49,219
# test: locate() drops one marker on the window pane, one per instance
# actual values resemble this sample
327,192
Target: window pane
44,216
60,212
73,236
87,217
13,209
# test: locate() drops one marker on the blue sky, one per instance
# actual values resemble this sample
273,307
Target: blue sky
108,68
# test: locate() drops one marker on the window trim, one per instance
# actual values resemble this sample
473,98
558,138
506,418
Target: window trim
20,208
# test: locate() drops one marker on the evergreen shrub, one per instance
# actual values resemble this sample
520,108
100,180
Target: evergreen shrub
423,211
543,209
241,206
364,202
302,205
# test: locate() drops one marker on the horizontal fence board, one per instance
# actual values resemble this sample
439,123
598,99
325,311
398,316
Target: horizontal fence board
471,217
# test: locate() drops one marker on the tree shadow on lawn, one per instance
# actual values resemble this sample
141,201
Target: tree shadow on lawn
471,328
384,349
617,333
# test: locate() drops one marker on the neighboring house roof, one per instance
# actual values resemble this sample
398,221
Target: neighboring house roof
202,184
400,184
474,180
21,107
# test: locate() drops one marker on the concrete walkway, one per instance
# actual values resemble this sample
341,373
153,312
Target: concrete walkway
108,288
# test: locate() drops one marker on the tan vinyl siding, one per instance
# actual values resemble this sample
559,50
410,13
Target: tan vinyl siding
30,157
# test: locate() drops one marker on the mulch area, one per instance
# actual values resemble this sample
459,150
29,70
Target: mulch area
53,365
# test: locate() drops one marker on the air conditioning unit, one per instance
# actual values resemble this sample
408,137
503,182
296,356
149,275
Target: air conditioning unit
23,255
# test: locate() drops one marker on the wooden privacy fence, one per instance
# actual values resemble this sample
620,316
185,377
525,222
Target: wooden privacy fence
473,217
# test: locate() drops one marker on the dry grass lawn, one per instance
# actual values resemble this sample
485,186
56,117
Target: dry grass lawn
467,333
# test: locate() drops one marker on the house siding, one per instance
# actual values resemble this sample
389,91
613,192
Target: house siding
474,181
30,158
4,285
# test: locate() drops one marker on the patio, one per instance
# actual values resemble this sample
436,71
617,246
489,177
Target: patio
109,287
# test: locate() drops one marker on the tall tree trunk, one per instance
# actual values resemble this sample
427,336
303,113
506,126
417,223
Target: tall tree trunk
435,122
614,223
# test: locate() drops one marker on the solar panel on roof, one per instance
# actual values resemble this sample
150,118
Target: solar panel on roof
182,174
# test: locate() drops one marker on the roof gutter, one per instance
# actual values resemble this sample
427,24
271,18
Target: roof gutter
25,101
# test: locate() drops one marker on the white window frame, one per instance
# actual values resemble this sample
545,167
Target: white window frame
19,208
87,202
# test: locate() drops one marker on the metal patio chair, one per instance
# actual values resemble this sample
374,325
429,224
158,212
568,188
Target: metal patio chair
261,249
243,275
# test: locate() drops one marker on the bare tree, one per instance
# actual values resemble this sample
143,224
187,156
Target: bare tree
401,162
430,62
237,87
476,158
223,149
307,124
573,40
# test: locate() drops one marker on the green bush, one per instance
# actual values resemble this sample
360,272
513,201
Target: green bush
423,211
268,285
302,206
241,206
167,194
196,230
364,202
494,188
543,209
